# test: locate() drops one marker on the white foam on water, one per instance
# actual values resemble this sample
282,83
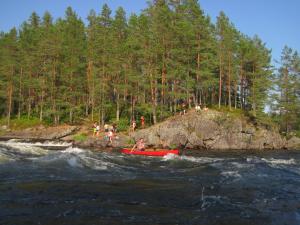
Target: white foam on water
55,143
253,160
27,148
170,156
229,174
74,150
46,143
14,140
200,160
273,161
80,158
241,165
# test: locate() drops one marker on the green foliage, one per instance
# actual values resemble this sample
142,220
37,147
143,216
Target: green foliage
149,65
173,146
131,141
285,102
122,124
22,123
80,137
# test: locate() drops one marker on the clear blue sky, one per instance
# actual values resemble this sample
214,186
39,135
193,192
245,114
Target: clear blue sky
276,22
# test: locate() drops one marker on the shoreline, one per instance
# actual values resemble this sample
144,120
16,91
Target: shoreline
94,147
205,131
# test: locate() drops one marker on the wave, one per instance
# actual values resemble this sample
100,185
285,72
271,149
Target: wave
74,150
200,160
271,161
228,174
10,152
75,158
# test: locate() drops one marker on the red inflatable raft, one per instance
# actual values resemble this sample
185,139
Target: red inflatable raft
151,152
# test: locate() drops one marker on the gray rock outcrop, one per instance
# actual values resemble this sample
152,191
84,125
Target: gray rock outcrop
211,130
294,143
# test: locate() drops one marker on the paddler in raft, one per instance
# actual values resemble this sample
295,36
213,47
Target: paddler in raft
140,145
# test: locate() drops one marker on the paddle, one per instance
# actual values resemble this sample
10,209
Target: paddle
133,148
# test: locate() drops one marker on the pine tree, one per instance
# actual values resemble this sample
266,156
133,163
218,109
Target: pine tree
73,53
147,65
30,61
8,70
119,32
287,98
259,76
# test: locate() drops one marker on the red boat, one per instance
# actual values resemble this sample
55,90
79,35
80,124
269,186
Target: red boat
150,152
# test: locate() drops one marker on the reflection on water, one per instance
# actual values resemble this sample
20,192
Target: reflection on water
76,186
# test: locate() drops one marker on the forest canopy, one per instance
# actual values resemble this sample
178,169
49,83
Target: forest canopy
119,67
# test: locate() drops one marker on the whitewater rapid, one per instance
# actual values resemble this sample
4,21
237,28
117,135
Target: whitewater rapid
69,185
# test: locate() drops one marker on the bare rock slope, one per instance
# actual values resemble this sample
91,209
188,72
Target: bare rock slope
211,130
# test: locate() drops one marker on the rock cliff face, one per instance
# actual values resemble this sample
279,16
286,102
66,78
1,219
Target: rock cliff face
210,130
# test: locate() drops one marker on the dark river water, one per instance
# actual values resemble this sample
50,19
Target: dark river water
74,186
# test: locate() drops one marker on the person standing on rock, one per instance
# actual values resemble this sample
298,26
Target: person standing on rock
133,125
95,128
106,128
143,121
110,136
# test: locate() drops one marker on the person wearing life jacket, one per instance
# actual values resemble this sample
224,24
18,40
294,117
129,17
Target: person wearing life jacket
95,128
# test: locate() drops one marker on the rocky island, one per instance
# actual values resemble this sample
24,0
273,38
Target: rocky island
205,130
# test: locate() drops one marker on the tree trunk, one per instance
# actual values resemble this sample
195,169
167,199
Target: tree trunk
9,92
71,115
286,81
91,87
220,81
229,81
235,95
102,93
241,85
198,72
163,73
153,97
118,107
53,96
42,100
29,98
20,94
253,91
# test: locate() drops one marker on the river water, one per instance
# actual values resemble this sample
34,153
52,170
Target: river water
75,186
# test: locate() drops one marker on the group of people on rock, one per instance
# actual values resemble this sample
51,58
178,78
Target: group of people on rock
110,131
198,108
